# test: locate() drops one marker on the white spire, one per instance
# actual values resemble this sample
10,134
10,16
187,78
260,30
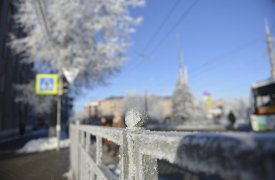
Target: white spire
182,70
267,30
186,74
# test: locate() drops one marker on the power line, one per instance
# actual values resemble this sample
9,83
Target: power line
158,30
182,17
218,58
45,23
240,67
222,56
149,42
163,23
204,86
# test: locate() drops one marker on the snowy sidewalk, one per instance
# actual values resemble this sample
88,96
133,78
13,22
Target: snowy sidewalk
49,165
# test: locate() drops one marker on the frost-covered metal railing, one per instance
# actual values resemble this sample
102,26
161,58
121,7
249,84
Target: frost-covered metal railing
231,155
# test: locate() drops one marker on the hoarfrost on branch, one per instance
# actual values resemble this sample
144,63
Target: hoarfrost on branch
91,36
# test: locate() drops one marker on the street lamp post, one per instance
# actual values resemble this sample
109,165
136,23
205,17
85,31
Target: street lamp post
58,118
270,49
42,15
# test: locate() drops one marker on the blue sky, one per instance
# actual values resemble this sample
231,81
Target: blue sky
223,44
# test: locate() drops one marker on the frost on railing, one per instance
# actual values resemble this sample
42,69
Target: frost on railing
231,155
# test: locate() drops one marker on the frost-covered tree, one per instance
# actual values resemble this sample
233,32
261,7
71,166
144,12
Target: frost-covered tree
43,103
135,101
155,107
239,106
88,36
182,101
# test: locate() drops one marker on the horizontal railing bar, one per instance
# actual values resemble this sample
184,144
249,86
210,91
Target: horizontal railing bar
112,134
229,154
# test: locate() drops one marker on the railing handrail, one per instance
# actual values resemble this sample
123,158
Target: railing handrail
230,154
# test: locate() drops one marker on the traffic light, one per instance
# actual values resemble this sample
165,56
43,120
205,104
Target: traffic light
65,85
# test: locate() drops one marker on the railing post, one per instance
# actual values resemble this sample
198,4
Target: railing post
87,149
83,160
72,149
133,163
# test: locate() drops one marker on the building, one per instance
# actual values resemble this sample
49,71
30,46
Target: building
11,72
108,106
166,104
105,107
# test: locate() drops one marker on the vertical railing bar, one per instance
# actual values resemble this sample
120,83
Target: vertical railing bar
131,157
87,149
98,150
78,152
83,139
88,142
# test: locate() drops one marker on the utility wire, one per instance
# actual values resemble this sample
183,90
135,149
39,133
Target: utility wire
236,50
240,67
163,23
182,17
44,19
218,58
155,34
158,30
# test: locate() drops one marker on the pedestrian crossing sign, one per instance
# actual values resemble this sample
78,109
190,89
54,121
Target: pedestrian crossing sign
46,84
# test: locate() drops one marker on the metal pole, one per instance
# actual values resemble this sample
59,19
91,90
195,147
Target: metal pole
58,122
270,50
45,24
58,127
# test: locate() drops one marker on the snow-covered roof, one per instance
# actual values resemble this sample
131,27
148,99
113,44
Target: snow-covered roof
263,83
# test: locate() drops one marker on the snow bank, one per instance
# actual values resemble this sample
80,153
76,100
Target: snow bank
68,175
43,144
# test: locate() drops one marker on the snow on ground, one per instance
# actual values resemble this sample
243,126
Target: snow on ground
68,175
43,144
